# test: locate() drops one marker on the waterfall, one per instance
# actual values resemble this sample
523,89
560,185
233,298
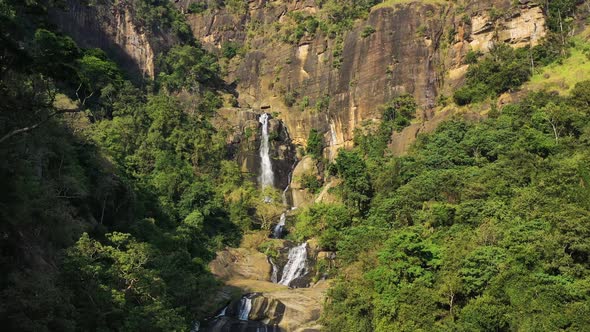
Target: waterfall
333,139
222,312
278,230
296,265
285,203
266,174
333,133
275,271
245,307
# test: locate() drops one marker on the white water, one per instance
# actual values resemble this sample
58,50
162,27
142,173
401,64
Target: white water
222,313
275,271
245,307
278,230
266,173
296,266
333,139
333,133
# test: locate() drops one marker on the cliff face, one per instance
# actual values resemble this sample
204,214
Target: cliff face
334,84
109,25
415,48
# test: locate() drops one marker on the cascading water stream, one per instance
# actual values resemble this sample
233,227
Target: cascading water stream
275,271
245,307
296,266
333,140
222,313
266,173
280,227
297,257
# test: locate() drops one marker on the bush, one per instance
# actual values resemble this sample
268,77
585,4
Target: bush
469,94
322,104
197,7
230,49
311,183
367,31
398,113
502,70
315,144
237,7
188,67
472,56
290,98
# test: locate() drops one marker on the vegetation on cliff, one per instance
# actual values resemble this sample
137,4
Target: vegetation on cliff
114,196
481,227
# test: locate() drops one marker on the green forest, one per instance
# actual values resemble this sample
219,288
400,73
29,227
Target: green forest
117,193
112,193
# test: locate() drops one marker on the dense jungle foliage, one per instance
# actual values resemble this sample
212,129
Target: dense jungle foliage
481,227
114,196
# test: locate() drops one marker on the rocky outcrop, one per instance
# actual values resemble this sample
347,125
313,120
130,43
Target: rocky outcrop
325,196
240,263
272,305
307,166
243,132
110,25
523,27
413,49
302,307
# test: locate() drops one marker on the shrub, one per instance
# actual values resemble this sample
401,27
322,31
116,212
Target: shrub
323,103
311,183
315,144
502,70
289,98
197,7
472,56
230,49
399,111
367,31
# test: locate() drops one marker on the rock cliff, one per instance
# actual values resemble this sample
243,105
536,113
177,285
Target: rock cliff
273,305
416,48
111,26
332,83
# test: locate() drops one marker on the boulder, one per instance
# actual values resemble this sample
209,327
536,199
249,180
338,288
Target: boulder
301,196
240,263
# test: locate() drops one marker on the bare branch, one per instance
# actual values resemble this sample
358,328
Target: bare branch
29,128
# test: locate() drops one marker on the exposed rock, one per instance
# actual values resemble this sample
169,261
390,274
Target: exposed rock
225,324
265,309
525,27
244,137
247,271
325,196
240,263
290,309
301,196
110,25
403,55
327,255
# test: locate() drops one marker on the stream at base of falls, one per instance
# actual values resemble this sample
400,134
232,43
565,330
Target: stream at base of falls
235,316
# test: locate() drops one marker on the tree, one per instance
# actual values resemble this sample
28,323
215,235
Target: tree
189,68
95,72
315,144
268,207
357,183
